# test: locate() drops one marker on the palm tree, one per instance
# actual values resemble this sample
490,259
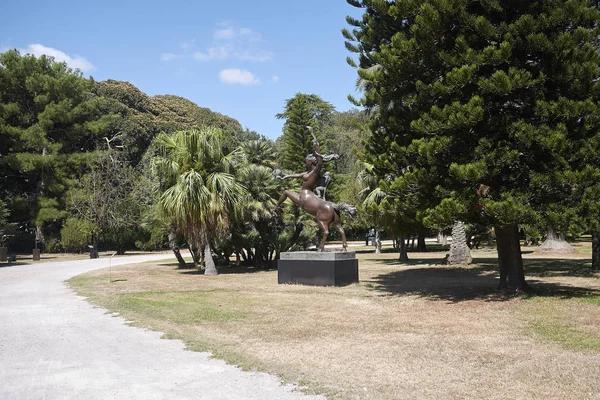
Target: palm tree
199,190
259,152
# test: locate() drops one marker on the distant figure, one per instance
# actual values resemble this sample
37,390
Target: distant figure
322,184
277,174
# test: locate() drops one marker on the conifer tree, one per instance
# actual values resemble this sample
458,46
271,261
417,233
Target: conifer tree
491,105
50,126
301,111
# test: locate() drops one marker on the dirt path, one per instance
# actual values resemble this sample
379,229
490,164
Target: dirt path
55,345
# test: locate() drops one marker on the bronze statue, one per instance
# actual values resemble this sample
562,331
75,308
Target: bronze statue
321,188
326,212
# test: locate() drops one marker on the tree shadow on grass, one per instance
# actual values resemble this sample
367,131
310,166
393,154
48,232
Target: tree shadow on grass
478,281
233,270
547,267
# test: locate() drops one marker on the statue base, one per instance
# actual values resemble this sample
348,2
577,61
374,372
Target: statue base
317,269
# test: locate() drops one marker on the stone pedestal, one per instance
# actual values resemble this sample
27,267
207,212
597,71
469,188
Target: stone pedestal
318,269
36,254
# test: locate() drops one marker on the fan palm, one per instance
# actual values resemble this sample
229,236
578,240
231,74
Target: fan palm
199,190
258,152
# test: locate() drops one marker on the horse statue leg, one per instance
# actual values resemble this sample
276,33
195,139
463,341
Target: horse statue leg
325,228
339,227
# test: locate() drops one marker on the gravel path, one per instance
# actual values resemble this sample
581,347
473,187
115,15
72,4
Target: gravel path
55,345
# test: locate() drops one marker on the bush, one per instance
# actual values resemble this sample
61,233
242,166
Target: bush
52,245
76,234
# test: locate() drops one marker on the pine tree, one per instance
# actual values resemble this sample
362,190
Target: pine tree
50,126
301,111
492,106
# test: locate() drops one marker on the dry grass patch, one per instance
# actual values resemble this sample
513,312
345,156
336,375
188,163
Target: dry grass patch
416,330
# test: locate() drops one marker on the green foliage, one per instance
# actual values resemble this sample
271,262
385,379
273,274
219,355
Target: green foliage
3,216
105,198
50,124
344,135
143,117
198,190
76,235
482,110
301,111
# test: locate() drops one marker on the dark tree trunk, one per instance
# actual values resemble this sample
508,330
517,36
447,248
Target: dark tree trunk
175,249
94,249
596,250
512,276
403,249
421,246
196,257
210,268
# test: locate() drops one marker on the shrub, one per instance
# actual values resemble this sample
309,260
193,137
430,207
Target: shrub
76,234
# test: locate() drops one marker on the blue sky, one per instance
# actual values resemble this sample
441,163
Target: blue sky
239,58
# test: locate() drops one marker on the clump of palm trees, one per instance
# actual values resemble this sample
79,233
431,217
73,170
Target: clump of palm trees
222,202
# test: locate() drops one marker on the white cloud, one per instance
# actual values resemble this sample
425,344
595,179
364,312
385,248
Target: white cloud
76,62
248,55
226,33
275,79
238,76
190,44
170,57
214,53
228,43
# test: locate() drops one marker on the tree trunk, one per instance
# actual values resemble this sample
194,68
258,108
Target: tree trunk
175,250
403,249
596,250
195,253
555,243
512,276
210,268
459,251
377,242
421,245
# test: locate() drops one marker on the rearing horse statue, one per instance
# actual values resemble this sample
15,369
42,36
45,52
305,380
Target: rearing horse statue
326,212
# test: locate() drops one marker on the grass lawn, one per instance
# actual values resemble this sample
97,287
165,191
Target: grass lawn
407,330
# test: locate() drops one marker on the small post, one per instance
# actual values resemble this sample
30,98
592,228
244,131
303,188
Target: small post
110,266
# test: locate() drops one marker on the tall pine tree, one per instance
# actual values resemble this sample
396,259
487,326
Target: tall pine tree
490,105
50,126
301,111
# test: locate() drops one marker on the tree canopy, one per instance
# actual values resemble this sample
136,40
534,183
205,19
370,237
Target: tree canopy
490,108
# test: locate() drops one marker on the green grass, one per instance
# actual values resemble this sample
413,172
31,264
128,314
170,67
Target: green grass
591,300
551,323
567,336
187,308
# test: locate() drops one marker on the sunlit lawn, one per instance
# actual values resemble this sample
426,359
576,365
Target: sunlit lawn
407,330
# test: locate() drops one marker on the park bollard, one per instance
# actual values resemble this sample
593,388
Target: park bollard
93,251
